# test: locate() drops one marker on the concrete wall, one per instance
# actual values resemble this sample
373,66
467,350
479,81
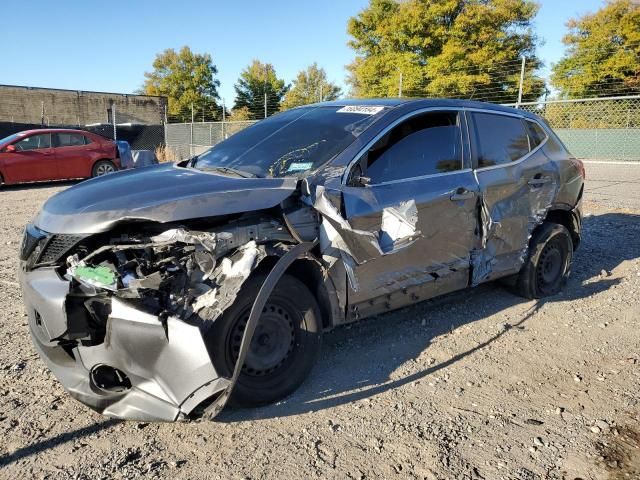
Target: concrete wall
77,108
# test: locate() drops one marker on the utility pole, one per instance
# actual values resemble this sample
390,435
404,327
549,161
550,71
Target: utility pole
265,104
521,82
191,136
400,86
224,117
165,125
321,92
113,114
266,75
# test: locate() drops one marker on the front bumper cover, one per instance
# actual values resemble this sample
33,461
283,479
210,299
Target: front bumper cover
167,363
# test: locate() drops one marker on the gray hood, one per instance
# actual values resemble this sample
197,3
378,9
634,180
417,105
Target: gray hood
163,193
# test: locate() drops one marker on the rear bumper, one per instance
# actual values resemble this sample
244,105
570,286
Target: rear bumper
169,369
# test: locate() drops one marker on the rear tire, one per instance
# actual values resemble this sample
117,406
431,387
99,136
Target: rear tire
102,167
284,347
548,263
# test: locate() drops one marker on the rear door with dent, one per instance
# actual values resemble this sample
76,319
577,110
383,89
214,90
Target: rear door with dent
518,184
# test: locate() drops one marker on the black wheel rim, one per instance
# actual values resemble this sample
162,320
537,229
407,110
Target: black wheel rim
272,342
551,266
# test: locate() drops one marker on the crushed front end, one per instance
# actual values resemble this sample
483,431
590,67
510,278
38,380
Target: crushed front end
121,318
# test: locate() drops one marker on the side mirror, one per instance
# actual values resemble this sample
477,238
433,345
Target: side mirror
10,149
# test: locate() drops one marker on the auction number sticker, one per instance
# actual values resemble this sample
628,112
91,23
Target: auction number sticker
300,167
363,109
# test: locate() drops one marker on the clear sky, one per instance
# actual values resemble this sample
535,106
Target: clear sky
107,46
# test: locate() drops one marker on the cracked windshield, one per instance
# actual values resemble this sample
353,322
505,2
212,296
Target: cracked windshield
289,143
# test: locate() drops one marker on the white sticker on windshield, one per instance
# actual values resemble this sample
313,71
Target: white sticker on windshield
363,109
299,167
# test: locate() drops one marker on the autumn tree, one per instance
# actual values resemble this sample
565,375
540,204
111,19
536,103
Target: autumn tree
603,53
185,78
453,48
310,86
255,81
240,114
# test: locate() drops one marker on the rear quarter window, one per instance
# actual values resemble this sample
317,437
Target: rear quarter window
499,139
536,133
70,140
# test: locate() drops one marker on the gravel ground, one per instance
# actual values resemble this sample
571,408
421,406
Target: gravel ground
478,385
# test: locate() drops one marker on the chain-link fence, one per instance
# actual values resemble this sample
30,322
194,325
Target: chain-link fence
597,128
183,140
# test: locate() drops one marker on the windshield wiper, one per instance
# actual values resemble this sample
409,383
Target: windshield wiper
235,171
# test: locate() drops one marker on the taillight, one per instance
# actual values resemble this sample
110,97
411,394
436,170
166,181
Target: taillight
580,167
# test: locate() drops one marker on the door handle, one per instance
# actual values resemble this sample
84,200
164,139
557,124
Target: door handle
538,180
462,194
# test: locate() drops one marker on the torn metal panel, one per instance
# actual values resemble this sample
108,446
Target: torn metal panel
515,200
358,244
228,277
398,227
168,359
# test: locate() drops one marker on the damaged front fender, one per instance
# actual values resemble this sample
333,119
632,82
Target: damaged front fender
129,337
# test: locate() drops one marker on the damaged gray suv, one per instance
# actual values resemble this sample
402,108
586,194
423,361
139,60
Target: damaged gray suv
167,291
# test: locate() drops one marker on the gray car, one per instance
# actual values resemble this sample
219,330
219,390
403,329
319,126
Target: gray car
164,292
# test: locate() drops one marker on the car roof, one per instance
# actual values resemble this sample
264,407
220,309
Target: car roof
423,103
52,130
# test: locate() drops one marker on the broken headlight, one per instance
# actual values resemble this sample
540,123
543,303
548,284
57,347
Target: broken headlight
31,239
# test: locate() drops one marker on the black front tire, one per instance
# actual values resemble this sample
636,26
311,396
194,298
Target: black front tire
284,347
548,263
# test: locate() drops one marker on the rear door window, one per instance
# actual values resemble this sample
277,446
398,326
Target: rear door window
69,140
34,142
425,144
499,139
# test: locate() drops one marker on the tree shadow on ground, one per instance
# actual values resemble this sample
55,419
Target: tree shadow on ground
358,360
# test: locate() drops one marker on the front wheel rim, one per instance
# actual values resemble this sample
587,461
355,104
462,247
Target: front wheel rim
272,344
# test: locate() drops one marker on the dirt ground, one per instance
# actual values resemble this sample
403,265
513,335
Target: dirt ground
478,385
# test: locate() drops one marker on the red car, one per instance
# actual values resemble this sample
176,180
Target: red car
55,154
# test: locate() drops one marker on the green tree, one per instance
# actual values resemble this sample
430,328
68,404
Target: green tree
603,53
255,81
455,48
310,86
187,79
